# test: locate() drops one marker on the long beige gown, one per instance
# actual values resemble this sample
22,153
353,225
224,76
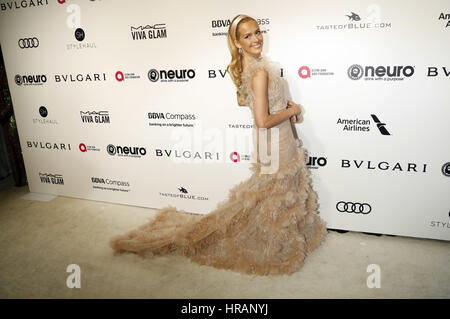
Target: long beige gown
268,223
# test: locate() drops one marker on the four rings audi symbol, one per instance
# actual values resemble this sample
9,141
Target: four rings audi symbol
357,208
28,43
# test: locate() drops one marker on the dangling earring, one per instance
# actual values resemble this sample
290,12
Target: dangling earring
240,50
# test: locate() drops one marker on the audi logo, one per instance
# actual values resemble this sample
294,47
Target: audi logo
28,43
357,208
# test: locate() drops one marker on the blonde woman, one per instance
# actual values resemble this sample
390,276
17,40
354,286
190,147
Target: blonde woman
269,222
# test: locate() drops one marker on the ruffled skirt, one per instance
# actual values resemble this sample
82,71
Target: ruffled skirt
267,225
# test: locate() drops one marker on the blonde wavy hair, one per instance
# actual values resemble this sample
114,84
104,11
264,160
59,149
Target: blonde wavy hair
234,69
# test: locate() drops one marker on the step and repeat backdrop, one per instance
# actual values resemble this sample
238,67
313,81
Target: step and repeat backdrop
129,102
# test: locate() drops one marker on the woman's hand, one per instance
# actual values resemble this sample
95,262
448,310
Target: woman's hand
295,109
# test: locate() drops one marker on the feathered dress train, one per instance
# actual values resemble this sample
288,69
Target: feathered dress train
269,222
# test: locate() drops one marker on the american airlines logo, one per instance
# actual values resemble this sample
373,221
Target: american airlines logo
362,125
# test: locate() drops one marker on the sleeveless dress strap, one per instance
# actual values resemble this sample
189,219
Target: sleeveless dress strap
249,72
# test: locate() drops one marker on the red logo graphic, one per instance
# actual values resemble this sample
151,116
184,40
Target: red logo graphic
234,156
304,72
119,76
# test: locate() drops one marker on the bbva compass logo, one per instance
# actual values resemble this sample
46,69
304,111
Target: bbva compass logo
350,207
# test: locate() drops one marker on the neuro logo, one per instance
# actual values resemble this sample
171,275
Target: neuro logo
30,79
183,75
28,43
126,151
79,34
353,17
43,111
355,72
315,162
446,170
18,79
357,208
111,149
381,126
380,73
153,75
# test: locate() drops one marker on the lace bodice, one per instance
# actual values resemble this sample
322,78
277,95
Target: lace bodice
276,92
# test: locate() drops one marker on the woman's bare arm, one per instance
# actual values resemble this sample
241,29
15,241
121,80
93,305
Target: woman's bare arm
261,103
237,94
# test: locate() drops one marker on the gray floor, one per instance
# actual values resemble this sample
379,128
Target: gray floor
42,235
